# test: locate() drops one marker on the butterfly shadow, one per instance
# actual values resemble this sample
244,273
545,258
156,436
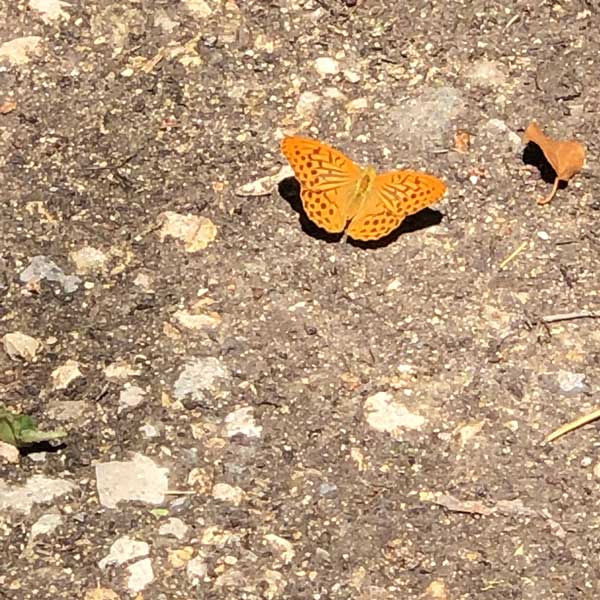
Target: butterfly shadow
533,155
289,190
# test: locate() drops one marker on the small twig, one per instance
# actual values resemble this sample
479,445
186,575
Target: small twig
573,425
583,314
512,21
513,255
114,166
180,493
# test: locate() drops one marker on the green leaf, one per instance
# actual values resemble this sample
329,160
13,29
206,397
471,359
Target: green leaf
21,430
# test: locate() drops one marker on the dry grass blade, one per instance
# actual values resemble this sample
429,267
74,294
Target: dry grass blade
580,422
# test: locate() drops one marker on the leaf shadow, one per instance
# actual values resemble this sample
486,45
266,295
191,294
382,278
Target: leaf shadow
289,190
533,155
42,447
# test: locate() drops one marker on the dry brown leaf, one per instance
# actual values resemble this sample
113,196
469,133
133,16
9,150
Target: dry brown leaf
565,156
453,504
462,141
7,106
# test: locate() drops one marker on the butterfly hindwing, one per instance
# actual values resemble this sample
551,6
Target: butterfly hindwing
374,220
326,208
408,192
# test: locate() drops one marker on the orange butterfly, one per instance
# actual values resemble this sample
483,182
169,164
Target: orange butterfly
336,190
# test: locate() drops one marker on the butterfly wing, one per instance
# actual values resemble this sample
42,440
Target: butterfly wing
393,196
328,179
408,191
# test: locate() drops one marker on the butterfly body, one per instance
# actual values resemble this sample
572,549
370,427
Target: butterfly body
337,194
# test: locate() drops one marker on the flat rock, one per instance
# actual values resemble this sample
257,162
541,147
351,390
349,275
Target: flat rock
138,479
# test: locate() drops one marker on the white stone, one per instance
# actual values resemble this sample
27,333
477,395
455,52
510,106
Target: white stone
50,10
571,382
384,413
64,375
197,322
20,50
357,105
241,421
308,104
131,397
325,65
138,479
88,260
9,453
199,8
351,76
37,489
140,575
195,231
123,550
198,375
174,527
41,267
20,345
284,548
196,568
487,72
45,524
227,493
120,371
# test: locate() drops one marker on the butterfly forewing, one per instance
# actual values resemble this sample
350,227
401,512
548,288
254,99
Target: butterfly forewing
318,166
408,192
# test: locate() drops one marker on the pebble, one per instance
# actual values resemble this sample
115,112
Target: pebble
141,575
139,479
20,50
123,550
45,524
9,453
351,76
308,104
50,10
228,493
200,375
38,488
487,72
241,422
64,375
280,546
195,231
196,568
20,345
174,527
131,397
42,268
385,414
571,382
326,65
357,105
88,260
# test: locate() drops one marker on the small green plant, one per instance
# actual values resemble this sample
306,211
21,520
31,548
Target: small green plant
21,430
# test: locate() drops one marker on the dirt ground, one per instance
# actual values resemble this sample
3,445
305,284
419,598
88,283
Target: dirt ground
396,394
